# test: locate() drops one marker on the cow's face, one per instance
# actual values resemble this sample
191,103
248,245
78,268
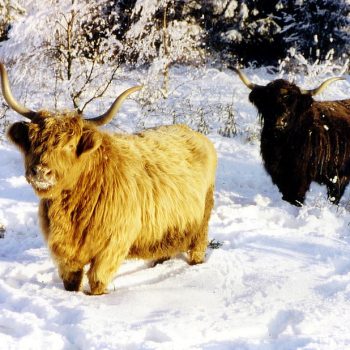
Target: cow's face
281,103
278,103
54,148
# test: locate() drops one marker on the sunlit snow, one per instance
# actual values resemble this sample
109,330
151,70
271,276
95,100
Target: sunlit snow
280,280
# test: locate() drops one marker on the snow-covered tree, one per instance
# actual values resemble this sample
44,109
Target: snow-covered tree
9,9
70,41
164,29
317,28
83,37
75,37
160,33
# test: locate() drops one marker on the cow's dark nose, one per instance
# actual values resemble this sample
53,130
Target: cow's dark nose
281,123
40,170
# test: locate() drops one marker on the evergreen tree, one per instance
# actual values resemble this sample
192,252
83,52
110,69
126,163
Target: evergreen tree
180,31
317,28
248,30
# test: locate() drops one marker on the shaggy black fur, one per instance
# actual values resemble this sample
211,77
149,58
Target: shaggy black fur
303,140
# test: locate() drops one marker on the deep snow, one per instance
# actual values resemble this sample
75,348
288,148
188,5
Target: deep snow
281,279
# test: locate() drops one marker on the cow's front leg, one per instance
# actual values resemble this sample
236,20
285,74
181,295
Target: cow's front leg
294,189
71,276
103,268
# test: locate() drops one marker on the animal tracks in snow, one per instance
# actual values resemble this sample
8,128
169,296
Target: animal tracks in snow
285,321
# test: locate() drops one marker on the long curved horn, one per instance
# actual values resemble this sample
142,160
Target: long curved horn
319,89
245,79
6,91
106,117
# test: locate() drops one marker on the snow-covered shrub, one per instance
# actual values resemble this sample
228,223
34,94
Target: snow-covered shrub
68,47
229,128
295,63
164,29
200,115
202,123
4,121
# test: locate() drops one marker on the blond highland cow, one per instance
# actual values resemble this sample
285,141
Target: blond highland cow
108,197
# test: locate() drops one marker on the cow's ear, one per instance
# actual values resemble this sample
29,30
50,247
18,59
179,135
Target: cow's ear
89,141
19,135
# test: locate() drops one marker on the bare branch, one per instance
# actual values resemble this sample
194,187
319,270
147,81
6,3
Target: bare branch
102,92
88,78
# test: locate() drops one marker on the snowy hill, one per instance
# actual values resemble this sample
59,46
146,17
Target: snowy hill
280,280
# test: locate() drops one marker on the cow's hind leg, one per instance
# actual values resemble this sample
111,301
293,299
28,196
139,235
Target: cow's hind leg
199,241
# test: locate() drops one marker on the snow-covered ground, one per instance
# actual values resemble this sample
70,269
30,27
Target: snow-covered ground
281,279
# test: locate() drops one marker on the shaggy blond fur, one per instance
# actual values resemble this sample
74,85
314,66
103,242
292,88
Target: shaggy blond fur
108,197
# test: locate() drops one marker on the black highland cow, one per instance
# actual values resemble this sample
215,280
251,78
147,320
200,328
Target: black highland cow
302,140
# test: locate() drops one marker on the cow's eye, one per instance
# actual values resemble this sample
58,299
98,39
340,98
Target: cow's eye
287,98
69,147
